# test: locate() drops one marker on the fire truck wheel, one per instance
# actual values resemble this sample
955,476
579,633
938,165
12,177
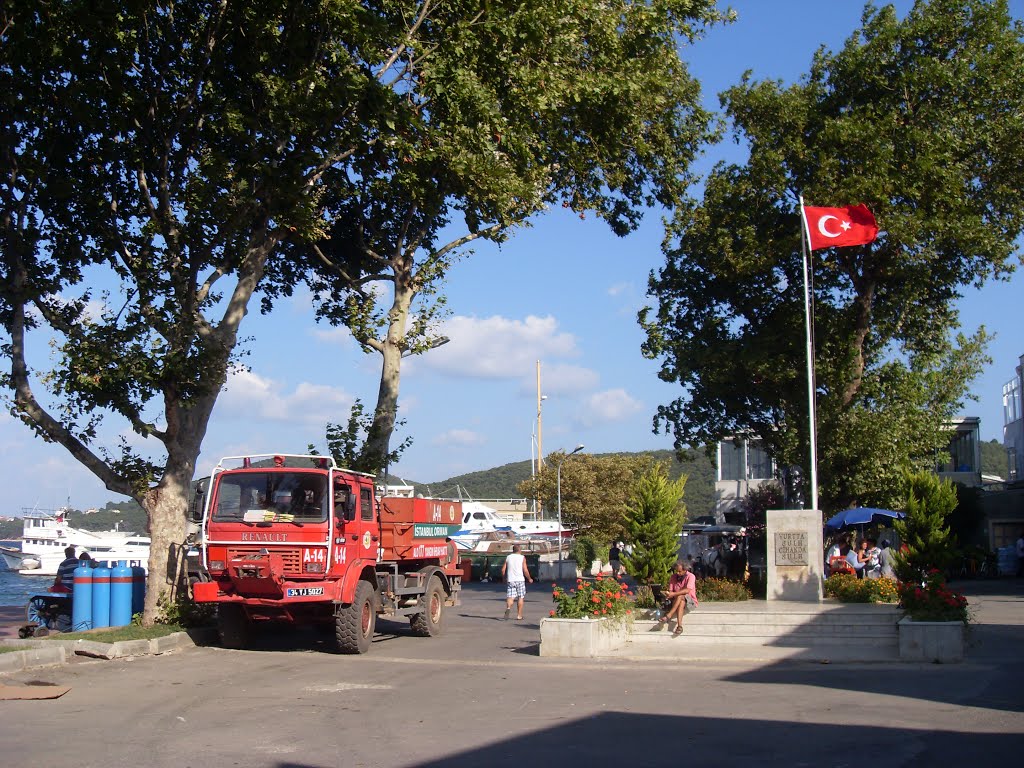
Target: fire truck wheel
431,622
354,623
232,626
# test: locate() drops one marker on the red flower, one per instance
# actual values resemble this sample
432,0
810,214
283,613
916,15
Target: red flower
597,613
609,604
604,611
552,613
595,599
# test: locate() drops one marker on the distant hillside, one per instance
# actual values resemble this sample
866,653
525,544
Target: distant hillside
500,482
994,459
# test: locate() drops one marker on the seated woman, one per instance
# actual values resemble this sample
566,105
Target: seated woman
682,591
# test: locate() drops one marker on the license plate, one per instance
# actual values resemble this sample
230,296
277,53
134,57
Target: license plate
304,591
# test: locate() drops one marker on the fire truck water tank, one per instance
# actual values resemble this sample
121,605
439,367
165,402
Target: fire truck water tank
81,599
121,594
100,597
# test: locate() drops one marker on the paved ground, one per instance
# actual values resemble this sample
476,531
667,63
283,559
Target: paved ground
480,696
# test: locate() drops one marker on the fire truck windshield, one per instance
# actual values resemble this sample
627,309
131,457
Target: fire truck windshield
270,497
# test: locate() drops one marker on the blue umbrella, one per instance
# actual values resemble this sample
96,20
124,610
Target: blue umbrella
861,516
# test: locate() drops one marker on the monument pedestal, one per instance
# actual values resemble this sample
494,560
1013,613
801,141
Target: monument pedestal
795,555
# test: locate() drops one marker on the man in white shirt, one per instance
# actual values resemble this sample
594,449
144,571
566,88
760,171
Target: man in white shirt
516,573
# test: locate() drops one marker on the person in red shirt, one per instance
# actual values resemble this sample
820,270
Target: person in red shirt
682,591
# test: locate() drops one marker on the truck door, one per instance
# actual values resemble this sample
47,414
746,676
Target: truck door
355,526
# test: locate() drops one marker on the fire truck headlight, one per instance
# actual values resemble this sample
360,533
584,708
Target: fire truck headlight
313,567
216,565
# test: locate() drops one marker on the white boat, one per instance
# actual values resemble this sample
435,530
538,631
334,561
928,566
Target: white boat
478,519
46,533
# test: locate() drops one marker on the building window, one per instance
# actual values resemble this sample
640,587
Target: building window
730,460
961,453
759,464
1011,402
1011,458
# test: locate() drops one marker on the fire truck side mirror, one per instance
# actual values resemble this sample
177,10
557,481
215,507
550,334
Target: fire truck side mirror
195,508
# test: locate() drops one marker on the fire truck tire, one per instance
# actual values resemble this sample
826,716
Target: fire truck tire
354,623
233,626
430,623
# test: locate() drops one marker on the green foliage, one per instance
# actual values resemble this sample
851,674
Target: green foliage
653,520
932,600
595,490
722,590
346,443
994,459
645,598
598,598
505,482
183,611
924,532
584,550
847,588
918,118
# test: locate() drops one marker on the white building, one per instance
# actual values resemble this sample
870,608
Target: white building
1013,424
743,464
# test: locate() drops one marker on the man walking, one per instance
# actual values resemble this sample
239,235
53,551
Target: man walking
516,573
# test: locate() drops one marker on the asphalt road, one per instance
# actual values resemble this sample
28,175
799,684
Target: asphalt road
480,696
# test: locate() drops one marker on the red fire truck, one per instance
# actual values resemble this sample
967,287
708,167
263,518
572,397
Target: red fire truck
299,540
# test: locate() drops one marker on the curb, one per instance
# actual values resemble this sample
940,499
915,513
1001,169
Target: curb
50,653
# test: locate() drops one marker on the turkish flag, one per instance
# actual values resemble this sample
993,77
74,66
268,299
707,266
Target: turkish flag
831,227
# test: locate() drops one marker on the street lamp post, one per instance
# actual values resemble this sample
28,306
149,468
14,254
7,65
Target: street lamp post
558,476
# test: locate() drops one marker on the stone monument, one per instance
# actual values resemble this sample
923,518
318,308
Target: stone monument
795,555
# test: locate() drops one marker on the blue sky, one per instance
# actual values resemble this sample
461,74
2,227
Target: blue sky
564,291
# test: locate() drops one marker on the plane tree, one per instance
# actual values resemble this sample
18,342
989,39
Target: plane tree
920,119
522,106
162,165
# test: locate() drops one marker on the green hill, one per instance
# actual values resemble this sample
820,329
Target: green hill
994,459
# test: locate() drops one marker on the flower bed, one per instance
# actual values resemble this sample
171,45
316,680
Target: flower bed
933,601
603,597
847,588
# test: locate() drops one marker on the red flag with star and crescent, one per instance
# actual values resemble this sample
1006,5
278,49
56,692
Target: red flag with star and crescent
832,227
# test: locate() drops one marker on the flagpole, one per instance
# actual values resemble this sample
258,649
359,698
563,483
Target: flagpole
813,434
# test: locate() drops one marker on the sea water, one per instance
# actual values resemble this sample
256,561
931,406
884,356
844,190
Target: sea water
16,589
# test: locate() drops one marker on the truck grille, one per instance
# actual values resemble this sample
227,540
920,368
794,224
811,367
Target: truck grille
292,556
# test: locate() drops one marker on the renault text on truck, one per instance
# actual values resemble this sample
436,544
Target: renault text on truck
299,540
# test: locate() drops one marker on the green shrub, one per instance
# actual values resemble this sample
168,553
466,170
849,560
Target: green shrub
653,520
645,597
184,612
722,590
584,551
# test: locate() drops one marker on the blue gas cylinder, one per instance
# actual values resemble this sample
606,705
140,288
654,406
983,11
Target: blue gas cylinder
100,597
138,589
121,594
81,599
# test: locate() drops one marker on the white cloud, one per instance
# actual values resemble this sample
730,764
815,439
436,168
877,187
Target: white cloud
620,288
563,380
608,406
499,348
253,397
460,437
339,336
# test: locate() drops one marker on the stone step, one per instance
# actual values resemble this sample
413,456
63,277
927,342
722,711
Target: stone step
792,639
685,649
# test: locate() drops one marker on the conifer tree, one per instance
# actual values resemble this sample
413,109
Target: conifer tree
924,532
653,520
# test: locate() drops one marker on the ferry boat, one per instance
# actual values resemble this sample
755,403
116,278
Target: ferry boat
46,533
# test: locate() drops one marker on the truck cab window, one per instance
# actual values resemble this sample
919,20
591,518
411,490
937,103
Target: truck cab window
365,504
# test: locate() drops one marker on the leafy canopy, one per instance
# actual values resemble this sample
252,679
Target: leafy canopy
920,119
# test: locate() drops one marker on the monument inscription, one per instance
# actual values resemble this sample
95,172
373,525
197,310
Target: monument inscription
791,548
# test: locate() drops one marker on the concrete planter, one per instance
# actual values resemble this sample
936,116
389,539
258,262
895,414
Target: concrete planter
582,638
931,640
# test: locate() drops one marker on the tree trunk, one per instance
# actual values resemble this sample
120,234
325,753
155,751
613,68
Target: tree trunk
378,440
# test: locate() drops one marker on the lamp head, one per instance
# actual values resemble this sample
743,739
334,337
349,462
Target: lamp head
577,449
